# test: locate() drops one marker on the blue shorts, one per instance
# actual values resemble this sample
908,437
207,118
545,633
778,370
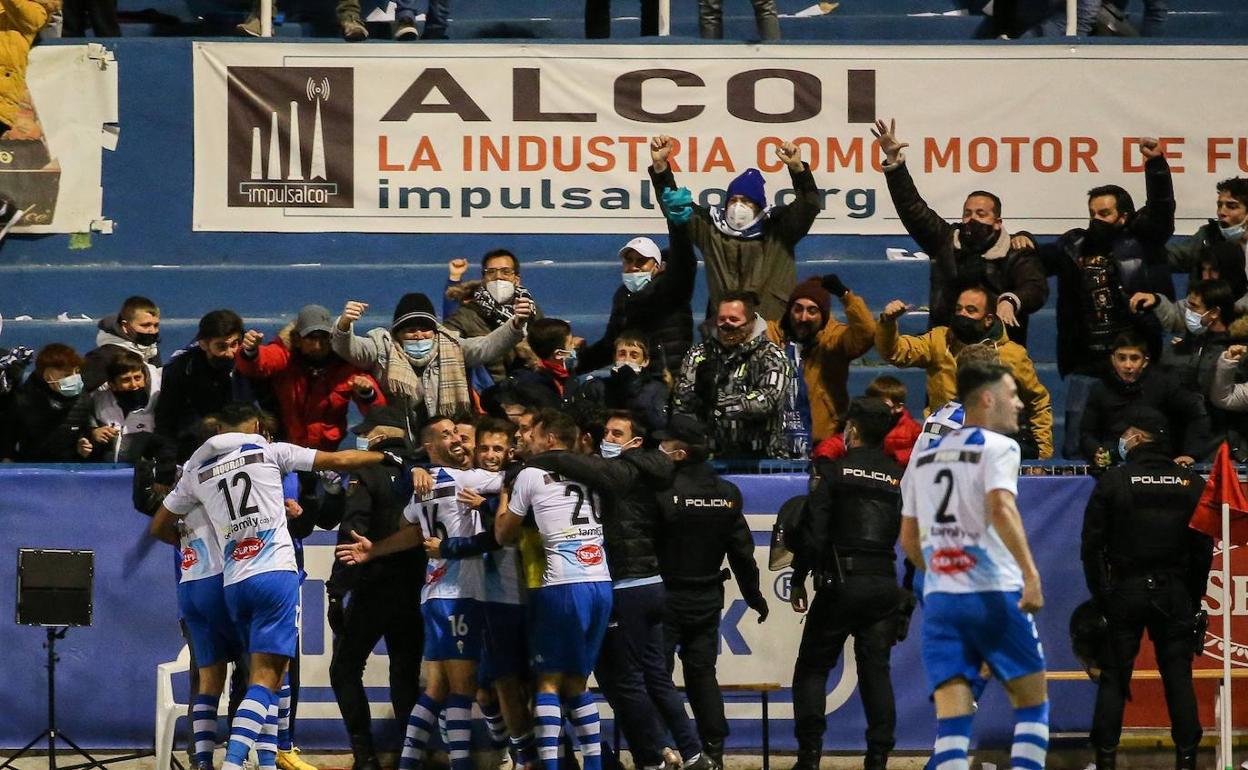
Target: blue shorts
504,650
212,634
963,631
453,629
568,624
264,608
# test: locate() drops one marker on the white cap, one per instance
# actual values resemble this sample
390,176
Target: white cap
645,247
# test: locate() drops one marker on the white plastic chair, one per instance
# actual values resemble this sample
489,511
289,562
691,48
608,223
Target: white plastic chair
168,710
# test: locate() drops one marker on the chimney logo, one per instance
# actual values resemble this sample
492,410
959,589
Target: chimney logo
291,137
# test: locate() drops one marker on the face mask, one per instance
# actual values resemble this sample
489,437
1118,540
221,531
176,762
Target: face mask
417,348
568,360
635,282
361,443
1234,232
976,236
732,335
1101,234
70,386
225,362
501,291
739,215
1192,320
636,368
1122,448
967,330
129,400
143,339
610,449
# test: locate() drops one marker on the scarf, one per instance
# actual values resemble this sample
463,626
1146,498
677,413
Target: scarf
752,230
446,362
559,371
491,310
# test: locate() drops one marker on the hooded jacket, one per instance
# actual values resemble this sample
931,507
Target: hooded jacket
765,265
645,394
101,407
736,393
1208,243
936,352
1111,400
36,424
825,361
109,343
313,399
19,25
1017,274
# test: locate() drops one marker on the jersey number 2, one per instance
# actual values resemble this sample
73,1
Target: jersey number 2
942,517
245,508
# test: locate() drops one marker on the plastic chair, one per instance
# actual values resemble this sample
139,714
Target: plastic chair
168,710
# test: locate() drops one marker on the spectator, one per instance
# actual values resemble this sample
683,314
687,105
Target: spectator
1155,12
20,24
420,364
819,349
1132,384
490,303
13,365
901,437
937,351
598,19
735,382
78,15
1202,322
748,244
976,252
654,301
200,379
136,329
631,384
1230,226
1120,253
1228,392
36,424
402,28
711,19
313,385
544,385
115,422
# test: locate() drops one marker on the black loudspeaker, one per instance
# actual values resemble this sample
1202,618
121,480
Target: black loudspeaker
54,587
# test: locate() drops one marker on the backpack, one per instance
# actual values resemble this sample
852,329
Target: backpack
791,533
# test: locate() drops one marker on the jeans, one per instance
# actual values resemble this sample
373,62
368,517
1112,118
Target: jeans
598,19
1155,12
436,17
711,19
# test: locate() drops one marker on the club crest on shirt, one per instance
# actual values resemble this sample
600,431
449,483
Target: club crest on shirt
247,548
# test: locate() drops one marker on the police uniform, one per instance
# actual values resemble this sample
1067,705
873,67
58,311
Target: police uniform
854,521
703,522
1146,569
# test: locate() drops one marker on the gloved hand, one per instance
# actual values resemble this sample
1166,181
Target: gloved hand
759,605
832,284
335,614
678,205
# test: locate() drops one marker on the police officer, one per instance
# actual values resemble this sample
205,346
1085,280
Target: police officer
1146,569
849,535
703,522
380,598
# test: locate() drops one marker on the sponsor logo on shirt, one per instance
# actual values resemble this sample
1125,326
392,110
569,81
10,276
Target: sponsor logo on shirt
951,561
189,557
437,574
247,548
589,555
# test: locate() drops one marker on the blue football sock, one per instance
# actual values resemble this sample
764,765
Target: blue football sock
953,741
1031,737
204,726
419,725
283,716
584,712
459,731
249,722
548,720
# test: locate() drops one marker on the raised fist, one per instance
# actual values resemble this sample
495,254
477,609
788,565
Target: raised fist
456,268
660,149
351,312
894,310
1150,148
791,155
251,340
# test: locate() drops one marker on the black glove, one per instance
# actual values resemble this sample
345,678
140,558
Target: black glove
905,610
335,614
1200,624
832,284
759,605
391,459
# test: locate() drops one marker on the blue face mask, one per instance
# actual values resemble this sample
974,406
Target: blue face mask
361,443
1122,448
609,449
70,386
418,348
635,282
1234,232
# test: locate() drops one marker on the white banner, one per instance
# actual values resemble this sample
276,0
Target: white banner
51,159
544,138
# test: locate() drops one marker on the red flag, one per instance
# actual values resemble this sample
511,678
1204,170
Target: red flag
1223,487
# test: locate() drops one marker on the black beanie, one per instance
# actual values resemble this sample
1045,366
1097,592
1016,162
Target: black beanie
413,306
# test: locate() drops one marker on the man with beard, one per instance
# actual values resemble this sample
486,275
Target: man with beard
313,385
819,349
490,303
977,251
135,329
937,352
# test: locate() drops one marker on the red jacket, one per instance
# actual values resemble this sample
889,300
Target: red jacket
313,402
899,442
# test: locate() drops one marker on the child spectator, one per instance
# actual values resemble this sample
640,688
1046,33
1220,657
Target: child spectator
631,384
35,430
117,419
899,442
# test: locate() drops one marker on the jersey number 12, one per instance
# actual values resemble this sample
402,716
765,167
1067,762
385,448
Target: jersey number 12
245,508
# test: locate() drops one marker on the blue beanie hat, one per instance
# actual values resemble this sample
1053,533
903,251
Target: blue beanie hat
749,184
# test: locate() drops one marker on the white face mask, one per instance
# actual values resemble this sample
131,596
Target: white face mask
1234,232
361,443
501,291
1194,321
636,367
739,215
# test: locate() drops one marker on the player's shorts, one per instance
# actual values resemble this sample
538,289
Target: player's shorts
453,629
504,648
264,607
211,632
567,626
962,631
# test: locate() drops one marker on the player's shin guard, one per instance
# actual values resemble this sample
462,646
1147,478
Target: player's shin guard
204,725
525,748
548,717
249,722
283,716
419,725
266,744
459,731
1031,737
584,712
953,739
494,721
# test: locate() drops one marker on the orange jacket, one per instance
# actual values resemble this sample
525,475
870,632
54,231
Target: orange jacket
20,21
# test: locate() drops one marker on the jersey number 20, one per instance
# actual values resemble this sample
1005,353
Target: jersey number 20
579,492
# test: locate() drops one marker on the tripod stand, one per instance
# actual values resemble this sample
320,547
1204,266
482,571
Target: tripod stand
51,732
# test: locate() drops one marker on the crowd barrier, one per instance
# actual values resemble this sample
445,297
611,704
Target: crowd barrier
106,679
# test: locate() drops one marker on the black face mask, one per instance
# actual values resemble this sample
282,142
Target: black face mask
221,364
129,400
143,339
967,330
1100,235
976,237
